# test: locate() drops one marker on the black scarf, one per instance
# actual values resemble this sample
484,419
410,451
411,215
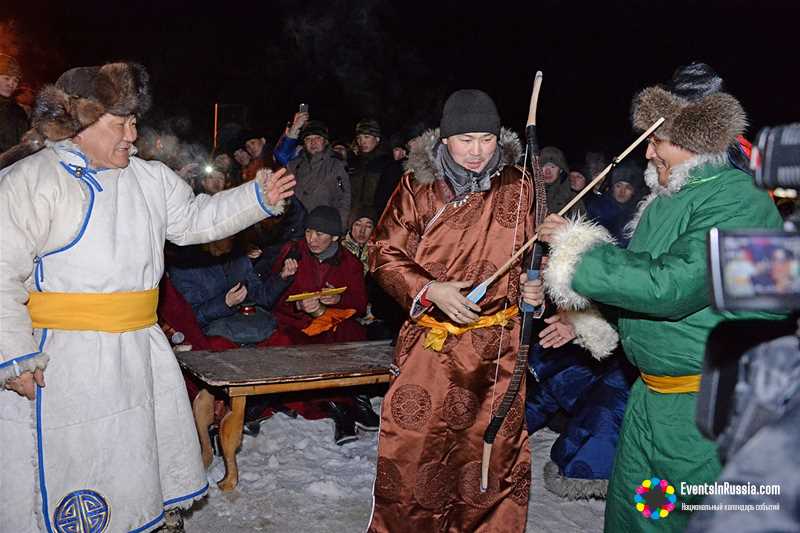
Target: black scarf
463,180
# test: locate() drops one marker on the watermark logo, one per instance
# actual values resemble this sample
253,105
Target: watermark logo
655,498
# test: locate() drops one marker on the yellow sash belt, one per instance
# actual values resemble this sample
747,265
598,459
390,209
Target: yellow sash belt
672,384
113,312
438,331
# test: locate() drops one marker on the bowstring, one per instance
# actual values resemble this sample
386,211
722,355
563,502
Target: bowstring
513,251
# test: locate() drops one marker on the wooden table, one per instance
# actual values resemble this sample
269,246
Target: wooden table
247,372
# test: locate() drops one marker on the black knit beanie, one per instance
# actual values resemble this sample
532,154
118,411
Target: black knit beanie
468,111
314,127
325,219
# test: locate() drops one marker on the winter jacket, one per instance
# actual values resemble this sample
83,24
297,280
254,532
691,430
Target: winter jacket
341,270
365,174
13,123
205,284
658,287
286,149
612,215
322,180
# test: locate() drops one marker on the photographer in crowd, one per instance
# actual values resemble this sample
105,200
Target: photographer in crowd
658,285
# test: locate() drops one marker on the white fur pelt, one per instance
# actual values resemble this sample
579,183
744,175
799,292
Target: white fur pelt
568,245
593,332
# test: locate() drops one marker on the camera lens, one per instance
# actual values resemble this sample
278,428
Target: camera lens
778,149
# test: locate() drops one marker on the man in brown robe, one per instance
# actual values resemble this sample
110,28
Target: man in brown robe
459,213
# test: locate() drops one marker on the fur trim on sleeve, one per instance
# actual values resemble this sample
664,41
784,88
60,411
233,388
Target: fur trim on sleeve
569,244
593,332
29,364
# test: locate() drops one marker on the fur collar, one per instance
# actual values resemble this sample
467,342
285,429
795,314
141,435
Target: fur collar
678,178
421,158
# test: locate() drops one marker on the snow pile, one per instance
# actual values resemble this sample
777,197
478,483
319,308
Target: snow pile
293,478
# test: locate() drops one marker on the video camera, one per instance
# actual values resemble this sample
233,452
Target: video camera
754,270
759,270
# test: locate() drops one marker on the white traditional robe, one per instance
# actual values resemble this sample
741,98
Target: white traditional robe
110,439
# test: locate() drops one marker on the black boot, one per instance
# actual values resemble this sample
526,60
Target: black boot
344,428
363,414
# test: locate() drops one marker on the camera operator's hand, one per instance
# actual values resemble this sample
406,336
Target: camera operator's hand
446,295
298,122
289,268
277,186
25,383
236,295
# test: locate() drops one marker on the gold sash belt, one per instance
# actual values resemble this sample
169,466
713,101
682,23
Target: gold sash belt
438,331
113,312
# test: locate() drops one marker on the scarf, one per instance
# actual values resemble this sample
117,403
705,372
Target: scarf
463,180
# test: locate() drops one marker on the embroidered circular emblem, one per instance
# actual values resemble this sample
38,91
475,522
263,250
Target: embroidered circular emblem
478,272
521,483
460,408
388,480
408,335
513,421
411,407
486,341
434,485
506,204
412,243
466,214
469,486
655,498
394,283
437,270
83,511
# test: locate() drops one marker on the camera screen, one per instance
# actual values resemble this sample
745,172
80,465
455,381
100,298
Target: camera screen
755,270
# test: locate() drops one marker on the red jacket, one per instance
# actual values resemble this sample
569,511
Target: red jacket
341,270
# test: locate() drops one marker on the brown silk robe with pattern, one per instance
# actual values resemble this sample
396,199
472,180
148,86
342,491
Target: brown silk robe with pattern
437,408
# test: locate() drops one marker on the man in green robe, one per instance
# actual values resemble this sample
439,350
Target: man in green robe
658,289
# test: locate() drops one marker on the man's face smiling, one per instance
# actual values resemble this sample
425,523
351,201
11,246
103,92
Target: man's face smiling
107,142
665,156
472,150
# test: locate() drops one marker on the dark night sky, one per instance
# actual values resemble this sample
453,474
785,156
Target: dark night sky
397,61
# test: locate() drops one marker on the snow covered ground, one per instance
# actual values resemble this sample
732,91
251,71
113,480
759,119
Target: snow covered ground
294,479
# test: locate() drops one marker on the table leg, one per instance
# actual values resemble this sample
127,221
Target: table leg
230,432
203,409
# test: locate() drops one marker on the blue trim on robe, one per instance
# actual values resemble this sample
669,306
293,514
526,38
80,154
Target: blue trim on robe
38,274
40,447
171,501
267,210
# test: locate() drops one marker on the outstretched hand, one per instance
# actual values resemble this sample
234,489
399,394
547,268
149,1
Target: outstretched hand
558,333
277,186
25,384
446,295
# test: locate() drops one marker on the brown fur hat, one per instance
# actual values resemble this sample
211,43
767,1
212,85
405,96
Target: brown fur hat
83,94
9,66
699,116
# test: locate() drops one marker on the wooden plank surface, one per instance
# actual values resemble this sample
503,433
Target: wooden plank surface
260,366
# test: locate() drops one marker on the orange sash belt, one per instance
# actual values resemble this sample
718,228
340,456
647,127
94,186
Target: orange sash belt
672,384
113,312
329,320
438,331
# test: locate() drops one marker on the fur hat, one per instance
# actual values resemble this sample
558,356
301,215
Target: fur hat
84,94
9,66
368,127
551,154
699,116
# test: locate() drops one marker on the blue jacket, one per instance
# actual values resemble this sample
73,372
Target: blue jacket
603,209
204,280
286,149
592,394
